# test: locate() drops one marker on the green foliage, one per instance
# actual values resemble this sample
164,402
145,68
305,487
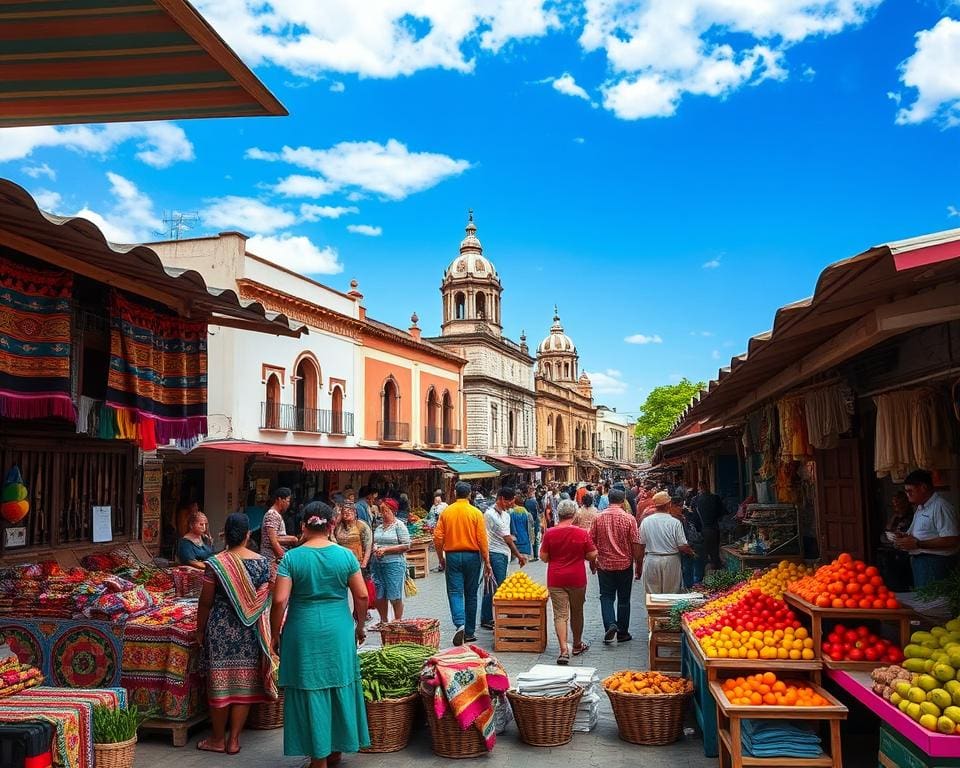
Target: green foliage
661,409
113,726
948,588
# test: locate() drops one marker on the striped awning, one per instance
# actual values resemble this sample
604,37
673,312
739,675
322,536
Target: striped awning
95,61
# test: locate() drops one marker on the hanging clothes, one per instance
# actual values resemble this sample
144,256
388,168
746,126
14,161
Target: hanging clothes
829,414
769,432
912,432
794,442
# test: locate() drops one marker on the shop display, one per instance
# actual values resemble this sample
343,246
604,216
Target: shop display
519,586
774,529
766,689
859,644
646,683
393,671
846,583
885,678
587,678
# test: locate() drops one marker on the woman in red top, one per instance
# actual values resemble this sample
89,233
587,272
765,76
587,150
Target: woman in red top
565,549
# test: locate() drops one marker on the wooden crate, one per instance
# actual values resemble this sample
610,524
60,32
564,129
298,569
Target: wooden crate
419,559
520,625
664,651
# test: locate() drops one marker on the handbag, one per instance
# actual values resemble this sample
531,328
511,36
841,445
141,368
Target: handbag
409,586
371,590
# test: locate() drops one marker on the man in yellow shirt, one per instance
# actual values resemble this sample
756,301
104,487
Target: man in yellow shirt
460,540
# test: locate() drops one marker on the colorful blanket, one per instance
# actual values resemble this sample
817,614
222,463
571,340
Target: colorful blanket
35,327
16,680
463,679
158,374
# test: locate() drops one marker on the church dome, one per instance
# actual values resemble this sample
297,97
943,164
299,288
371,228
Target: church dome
557,341
471,263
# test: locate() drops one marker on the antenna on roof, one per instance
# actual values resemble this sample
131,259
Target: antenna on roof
178,222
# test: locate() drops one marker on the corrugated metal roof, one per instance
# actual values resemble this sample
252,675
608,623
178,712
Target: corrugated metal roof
95,61
78,245
677,446
845,292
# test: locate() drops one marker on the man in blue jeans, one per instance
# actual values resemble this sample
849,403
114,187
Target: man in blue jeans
502,545
617,539
460,540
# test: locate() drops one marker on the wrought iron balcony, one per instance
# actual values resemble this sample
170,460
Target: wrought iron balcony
393,431
290,418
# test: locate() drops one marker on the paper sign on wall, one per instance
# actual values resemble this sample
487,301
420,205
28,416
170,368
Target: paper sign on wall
102,524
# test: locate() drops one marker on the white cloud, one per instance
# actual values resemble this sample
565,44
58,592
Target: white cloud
304,186
579,140
712,264
704,334
661,51
131,217
310,212
375,38
159,144
566,85
934,71
641,338
715,354
296,253
608,382
365,229
246,213
47,200
390,169
337,87
36,171
952,211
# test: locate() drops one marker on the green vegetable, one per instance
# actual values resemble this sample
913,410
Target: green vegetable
112,726
393,671
717,581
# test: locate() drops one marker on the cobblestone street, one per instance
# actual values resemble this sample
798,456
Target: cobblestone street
599,749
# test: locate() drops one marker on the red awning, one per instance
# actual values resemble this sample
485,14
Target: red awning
315,458
514,461
542,462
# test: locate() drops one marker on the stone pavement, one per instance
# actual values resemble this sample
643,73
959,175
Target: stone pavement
598,749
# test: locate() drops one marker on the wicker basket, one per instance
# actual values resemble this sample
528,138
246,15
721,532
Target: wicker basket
545,721
419,631
266,716
448,739
649,720
390,722
120,755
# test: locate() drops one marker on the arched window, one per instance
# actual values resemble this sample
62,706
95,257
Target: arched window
390,410
433,405
566,370
481,301
308,385
336,411
447,422
511,430
560,440
271,408
548,370
460,306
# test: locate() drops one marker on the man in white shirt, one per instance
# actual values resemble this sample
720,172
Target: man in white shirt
663,539
501,545
933,538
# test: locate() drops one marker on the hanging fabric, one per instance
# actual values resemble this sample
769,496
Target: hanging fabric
912,432
35,325
794,443
158,370
829,414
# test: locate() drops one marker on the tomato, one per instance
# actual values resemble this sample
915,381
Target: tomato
838,651
894,655
840,629
863,631
872,572
871,654
853,588
892,603
855,654
823,601
860,566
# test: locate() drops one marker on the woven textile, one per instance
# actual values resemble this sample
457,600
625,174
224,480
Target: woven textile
35,315
158,374
69,653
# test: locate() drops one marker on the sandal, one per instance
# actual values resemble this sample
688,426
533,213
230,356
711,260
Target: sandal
579,650
204,746
563,659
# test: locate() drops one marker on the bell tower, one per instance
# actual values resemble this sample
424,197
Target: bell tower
471,290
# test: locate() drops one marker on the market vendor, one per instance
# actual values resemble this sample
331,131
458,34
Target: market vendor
901,514
933,538
274,539
196,546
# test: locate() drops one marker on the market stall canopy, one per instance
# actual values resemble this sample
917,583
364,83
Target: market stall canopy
317,458
858,303
516,462
679,446
467,467
540,461
79,246
98,61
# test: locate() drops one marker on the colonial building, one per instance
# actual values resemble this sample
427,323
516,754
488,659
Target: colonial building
498,381
566,417
615,440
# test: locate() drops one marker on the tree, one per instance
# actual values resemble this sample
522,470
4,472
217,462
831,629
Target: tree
660,410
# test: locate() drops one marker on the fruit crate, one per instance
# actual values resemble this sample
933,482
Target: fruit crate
898,616
520,625
664,651
419,559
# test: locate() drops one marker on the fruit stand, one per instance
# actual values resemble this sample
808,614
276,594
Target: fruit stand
520,615
897,616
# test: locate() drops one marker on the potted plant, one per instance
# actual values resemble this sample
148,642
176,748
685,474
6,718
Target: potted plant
115,735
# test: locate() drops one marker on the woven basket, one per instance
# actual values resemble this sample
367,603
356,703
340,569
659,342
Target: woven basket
390,722
649,720
545,721
120,755
266,716
448,740
419,631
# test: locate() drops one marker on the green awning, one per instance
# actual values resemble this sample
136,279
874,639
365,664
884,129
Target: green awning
466,466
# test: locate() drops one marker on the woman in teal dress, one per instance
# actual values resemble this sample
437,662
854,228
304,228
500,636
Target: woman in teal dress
324,713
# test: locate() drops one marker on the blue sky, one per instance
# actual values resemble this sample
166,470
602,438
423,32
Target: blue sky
666,171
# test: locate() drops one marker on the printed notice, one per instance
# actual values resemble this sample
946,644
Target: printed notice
102,524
